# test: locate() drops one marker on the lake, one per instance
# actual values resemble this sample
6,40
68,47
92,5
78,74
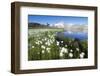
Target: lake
73,35
61,33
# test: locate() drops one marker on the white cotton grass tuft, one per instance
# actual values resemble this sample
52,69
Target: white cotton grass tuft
65,45
43,51
77,49
71,50
57,43
61,41
48,43
61,54
48,50
37,42
64,50
71,55
32,46
82,55
43,47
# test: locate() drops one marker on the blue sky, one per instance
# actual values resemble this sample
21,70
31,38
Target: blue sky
44,19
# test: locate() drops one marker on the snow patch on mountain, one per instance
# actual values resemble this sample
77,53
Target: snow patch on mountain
59,25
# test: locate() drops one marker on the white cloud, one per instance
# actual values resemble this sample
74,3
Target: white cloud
76,27
59,24
70,27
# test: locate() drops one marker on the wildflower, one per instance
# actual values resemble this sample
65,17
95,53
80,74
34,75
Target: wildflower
32,46
48,42
43,47
77,49
61,54
71,50
37,42
43,51
45,39
65,45
48,49
57,43
70,55
64,50
82,55
61,41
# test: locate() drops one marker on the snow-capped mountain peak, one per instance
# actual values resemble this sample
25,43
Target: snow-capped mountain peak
59,25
